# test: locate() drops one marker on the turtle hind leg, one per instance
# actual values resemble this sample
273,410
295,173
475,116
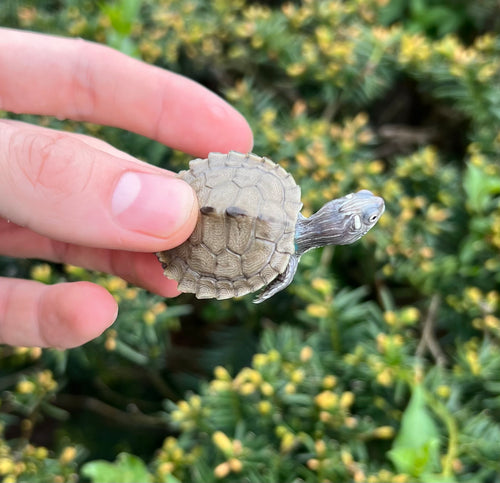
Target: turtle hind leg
282,281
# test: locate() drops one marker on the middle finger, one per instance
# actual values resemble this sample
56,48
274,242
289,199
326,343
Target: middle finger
141,269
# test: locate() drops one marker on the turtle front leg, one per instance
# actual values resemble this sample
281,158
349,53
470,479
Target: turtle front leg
282,281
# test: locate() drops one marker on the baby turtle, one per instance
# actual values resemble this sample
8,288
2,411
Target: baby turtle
250,232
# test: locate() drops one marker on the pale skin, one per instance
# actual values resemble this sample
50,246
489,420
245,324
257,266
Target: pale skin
74,199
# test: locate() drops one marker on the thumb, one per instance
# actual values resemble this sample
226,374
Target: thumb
71,190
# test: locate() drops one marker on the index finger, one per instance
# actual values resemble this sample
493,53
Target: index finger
81,80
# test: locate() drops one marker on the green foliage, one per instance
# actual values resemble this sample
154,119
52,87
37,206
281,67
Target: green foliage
416,448
127,469
121,16
381,362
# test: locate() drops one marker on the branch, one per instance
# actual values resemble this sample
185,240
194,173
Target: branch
428,341
72,402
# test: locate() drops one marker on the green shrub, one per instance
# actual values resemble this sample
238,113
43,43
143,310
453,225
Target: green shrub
382,361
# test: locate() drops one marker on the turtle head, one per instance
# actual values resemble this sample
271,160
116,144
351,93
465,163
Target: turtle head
357,213
339,222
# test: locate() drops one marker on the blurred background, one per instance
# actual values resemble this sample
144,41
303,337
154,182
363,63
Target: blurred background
381,362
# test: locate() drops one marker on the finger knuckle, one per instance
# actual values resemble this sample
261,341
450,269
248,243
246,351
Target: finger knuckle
50,164
82,80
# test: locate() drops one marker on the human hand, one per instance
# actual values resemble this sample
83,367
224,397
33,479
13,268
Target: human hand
74,199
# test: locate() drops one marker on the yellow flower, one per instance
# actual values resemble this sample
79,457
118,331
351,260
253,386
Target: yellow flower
323,37
113,284
236,465
159,308
414,48
346,399
351,422
474,294
485,42
222,470
268,116
288,9
259,360
266,389
46,380
473,361
131,293
255,377
222,374
426,252
401,478
486,72
21,350
322,285
222,441
375,167
170,443
320,447
19,468
280,431
6,466
316,310
166,468
25,387
41,273
35,352
195,401
390,317
41,453
183,407
110,343
346,458
325,416
287,442
177,454
382,341
306,353
491,321
329,382
493,298
264,407
294,70
313,464
274,355
297,376
149,317
359,476
68,454
384,432
75,271
385,377
410,315
247,388
436,214
443,391
326,400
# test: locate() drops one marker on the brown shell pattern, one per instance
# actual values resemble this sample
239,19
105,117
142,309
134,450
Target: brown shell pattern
246,227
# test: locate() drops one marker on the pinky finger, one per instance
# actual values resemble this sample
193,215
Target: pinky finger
62,316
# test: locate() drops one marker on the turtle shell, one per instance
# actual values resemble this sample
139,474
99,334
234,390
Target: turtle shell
246,226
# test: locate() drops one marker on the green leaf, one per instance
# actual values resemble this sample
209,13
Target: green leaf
480,188
416,448
126,469
414,461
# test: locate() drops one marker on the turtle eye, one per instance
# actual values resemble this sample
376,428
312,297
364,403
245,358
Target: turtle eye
370,216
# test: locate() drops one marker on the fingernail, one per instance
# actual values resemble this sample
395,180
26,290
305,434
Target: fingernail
151,204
